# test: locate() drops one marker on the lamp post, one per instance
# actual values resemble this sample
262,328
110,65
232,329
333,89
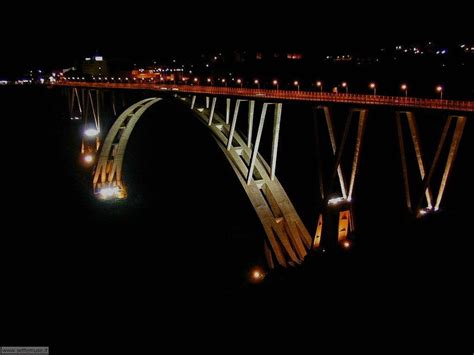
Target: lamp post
297,84
275,82
319,84
257,83
224,82
196,81
404,88
239,81
345,86
373,87
439,89
209,81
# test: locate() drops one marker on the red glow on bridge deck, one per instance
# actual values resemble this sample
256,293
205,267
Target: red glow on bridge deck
296,95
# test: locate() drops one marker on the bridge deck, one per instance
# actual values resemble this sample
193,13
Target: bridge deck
358,99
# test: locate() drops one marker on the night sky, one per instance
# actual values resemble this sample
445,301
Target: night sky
47,35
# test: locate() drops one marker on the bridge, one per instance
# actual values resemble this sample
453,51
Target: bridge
287,240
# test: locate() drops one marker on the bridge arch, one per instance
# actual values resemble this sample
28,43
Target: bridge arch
287,240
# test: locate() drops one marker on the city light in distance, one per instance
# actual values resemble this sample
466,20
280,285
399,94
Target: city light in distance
346,244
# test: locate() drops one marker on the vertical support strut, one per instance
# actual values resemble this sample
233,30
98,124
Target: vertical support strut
250,122
211,114
193,102
257,142
276,136
91,103
338,154
83,99
332,138
358,147
234,122
453,151
113,103
98,109
78,100
419,156
227,110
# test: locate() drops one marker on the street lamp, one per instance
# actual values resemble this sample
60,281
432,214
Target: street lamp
239,81
439,89
404,87
257,83
345,86
373,87
297,84
224,82
209,81
196,80
275,82
319,84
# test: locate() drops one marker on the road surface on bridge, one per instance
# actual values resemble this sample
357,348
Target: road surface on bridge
294,95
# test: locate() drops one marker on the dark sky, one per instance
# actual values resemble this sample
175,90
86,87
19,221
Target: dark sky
39,34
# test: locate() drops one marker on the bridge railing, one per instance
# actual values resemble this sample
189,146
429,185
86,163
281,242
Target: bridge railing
296,95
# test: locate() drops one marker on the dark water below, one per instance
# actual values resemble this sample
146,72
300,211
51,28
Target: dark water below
187,236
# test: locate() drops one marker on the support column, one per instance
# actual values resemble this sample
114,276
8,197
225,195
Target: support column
193,102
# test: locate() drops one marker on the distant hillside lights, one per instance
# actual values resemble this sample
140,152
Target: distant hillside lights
95,66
